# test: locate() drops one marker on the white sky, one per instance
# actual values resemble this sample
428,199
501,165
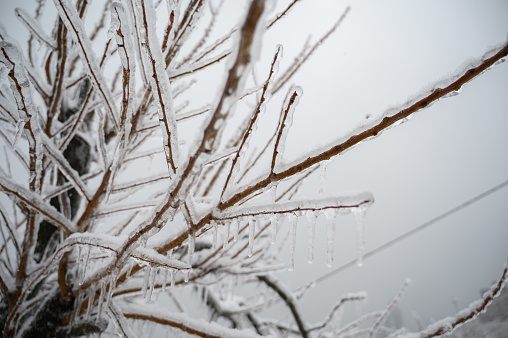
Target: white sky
384,53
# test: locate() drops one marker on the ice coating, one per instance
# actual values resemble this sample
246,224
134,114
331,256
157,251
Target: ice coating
159,82
34,27
290,104
83,265
347,202
35,202
75,26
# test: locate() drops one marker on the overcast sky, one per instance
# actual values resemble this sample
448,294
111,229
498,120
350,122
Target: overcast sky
384,53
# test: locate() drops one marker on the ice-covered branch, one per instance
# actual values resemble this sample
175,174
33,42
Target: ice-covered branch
377,126
285,124
343,203
191,15
260,106
200,328
351,297
64,166
35,202
389,309
448,324
282,14
159,82
288,298
34,28
74,24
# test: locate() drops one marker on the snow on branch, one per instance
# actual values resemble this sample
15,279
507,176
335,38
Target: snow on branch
35,202
183,322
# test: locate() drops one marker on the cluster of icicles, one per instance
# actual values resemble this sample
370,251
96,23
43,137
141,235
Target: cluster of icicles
222,234
225,228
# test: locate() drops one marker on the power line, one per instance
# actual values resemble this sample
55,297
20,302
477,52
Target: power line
415,230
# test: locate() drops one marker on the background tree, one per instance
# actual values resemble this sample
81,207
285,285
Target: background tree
90,229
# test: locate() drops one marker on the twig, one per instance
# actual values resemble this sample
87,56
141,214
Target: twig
288,298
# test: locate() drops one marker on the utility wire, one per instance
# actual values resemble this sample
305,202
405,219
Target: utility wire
419,228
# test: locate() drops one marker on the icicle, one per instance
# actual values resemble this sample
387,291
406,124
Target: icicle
311,216
171,271
77,306
331,215
226,237
275,223
236,226
83,265
78,262
101,300
146,280
252,229
192,247
172,277
151,282
19,129
293,221
91,297
205,294
129,271
322,176
186,275
165,279
215,231
112,285
360,231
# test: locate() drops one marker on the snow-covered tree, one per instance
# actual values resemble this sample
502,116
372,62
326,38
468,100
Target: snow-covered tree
127,189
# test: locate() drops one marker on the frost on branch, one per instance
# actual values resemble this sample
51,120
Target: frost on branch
105,218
